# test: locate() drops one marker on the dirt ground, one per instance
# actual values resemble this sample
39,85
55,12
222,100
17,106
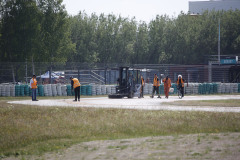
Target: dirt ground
217,146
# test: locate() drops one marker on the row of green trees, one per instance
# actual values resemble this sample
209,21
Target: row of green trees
42,31
34,31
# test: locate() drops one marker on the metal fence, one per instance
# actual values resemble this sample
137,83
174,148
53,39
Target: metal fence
14,72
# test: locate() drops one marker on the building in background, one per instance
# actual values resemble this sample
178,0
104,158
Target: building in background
198,7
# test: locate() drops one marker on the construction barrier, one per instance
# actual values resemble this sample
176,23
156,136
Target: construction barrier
95,89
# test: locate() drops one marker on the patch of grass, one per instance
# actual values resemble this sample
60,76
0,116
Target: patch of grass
207,150
196,154
35,130
118,147
216,138
199,139
124,141
218,150
214,103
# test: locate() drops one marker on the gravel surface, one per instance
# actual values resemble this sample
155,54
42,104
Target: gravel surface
217,146
146,103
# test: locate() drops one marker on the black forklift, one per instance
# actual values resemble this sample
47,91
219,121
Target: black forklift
128,83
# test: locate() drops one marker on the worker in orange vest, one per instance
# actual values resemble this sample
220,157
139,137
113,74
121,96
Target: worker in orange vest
76,85
180,84
33,85
156,84
142,86
167,85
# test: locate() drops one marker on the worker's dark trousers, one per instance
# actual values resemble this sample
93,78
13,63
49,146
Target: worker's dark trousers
77,93
182,91
34,94
155,89
141,94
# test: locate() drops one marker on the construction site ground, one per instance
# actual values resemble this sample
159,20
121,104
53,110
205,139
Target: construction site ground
221,146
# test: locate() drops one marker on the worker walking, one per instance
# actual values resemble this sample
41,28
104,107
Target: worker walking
167,85
156,84
180,84
33,85
76,85
142,87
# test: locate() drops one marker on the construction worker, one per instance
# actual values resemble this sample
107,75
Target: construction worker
180,84
76,85
167,85
156,84
33,85
142,86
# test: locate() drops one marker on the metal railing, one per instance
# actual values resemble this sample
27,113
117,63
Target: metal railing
108,73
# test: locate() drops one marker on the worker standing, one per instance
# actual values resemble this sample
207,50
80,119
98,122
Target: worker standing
156,84
33,85
180,84
142,87
167,85
76,85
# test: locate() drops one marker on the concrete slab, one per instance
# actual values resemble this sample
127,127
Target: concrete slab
146,103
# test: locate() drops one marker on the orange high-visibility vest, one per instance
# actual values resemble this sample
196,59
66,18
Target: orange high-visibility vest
76,83
167,83
156,82
142,81
34,84
181,82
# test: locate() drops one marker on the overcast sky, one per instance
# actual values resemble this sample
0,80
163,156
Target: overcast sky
144,10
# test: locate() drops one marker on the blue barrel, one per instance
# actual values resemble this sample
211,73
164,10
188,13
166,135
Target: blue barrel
22,90
215,88
17,90
41,90
69,90
89,90
26,90
210,88
83,90
30,91
200,87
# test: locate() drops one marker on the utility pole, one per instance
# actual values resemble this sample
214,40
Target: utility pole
219,41
26,72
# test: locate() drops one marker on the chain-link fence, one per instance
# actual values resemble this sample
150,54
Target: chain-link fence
108,73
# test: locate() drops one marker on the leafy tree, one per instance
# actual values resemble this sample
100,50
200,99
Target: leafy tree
19,31
55,32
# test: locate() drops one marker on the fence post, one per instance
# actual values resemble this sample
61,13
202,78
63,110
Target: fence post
209,71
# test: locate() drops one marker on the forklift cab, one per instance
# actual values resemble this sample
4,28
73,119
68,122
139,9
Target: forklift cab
129,79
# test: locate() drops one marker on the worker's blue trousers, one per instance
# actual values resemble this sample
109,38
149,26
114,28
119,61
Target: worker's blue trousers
34,94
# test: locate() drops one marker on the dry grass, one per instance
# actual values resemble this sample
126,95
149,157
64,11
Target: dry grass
35,130
215,103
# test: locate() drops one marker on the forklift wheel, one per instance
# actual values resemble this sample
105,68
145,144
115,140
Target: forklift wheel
115,96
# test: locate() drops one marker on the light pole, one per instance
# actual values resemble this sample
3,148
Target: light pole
219,41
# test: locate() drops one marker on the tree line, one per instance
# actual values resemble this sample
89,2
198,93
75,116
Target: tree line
42,31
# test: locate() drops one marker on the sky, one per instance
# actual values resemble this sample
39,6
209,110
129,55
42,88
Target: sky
142,10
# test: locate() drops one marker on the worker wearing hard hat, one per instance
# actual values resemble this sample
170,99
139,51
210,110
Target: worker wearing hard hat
156,84
76,85
180,84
